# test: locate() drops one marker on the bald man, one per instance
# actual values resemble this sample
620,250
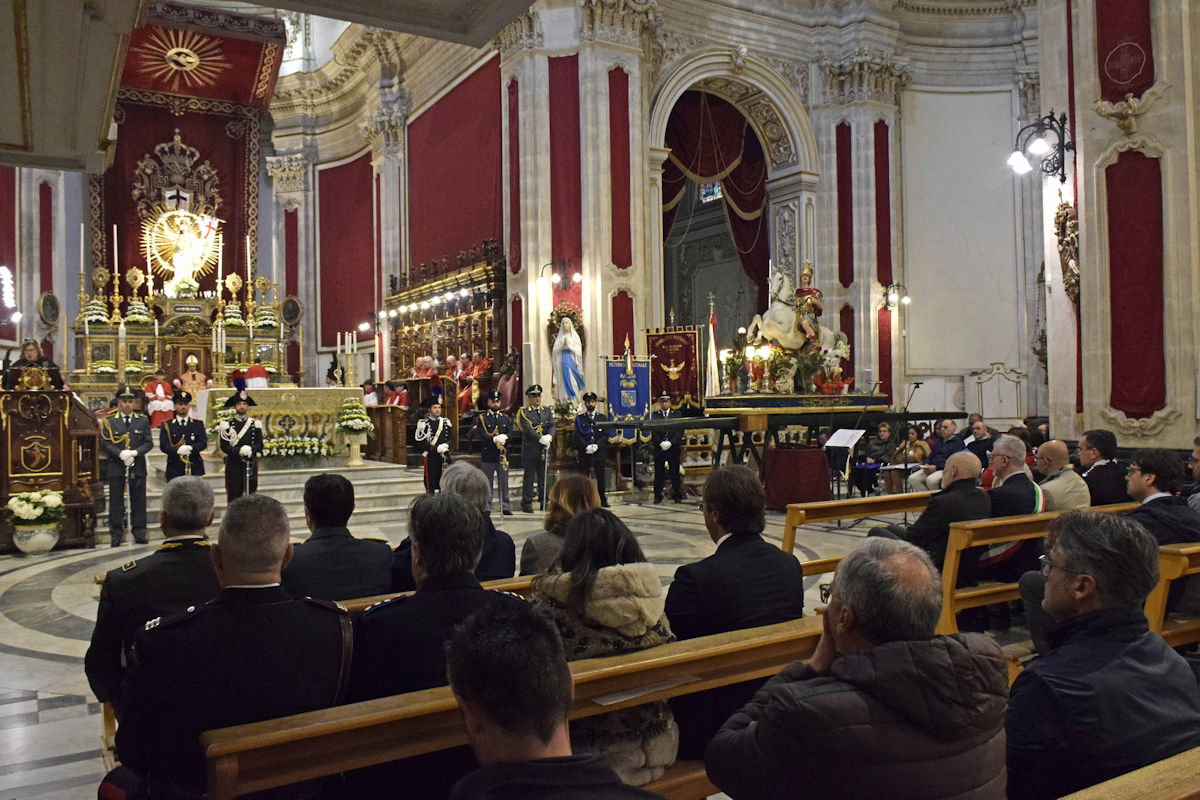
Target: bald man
1063,487
960,501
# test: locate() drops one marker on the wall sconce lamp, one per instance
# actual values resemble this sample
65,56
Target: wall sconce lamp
559,271
895,294
1032,139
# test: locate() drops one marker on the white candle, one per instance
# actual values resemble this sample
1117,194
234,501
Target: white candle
274,260
156,327
249,278
86,330
339,343
82,260
115,274
220,263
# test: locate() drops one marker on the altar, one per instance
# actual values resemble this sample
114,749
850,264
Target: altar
287,412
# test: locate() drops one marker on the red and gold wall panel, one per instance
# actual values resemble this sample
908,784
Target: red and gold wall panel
345,225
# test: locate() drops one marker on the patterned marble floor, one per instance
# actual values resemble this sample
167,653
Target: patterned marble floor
49,721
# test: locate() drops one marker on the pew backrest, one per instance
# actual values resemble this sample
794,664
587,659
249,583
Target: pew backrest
854,508
262,755
521,585
1172,778
1175,562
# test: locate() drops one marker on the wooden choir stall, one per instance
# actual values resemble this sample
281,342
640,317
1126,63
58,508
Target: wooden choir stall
51,441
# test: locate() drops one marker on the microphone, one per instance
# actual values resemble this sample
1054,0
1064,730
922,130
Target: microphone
918,383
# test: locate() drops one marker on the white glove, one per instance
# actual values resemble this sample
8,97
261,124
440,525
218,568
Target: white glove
443,448
500,439
664,444
128,456
591,448
245,451
185,450
545,440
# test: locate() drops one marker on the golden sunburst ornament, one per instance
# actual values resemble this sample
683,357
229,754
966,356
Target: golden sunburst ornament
174,57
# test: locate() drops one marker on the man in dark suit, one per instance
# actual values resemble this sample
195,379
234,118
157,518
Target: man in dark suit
253,653
1098,460
125,439
960,501
1015,495
333,564
242,444
178,574
667,445
747,582
182,439
591,444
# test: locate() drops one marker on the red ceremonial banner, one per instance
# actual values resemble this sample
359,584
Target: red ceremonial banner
1124,49
675,365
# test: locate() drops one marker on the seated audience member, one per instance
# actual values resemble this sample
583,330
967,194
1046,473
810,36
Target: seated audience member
747,582
873,454
1015,496
1104,476
569,495
1110,696
884,708
981,440
332,564
509,674
400,645
370,394
606,599
1194,465
397,394
974,417
988,479
254,653
929,477
913,451
177,575
1063,487
960,501
499,558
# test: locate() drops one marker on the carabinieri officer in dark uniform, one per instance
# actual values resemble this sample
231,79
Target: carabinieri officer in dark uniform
242,444
666,452
591,444
494,428
433,434
125,439
182,439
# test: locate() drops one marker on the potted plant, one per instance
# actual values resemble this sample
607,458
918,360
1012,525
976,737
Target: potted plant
356,426
35,520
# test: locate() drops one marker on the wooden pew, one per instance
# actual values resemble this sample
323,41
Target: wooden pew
855,508
982,533
1173,778
261,755
1175,561
521,585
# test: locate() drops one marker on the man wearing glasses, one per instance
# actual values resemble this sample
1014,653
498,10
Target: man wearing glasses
1098,459
1110,696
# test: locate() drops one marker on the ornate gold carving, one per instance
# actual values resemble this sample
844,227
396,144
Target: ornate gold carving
1066,230
171,180
174,56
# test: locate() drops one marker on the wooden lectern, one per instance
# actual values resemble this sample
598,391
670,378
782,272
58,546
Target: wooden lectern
51,441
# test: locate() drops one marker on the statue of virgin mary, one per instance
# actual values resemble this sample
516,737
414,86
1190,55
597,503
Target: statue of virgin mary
567,357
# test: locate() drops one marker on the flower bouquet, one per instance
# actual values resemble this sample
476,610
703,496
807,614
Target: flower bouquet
303,446
353,420
104,366
133,369
264,317
233,316
36,508
95,312
183,288
136,313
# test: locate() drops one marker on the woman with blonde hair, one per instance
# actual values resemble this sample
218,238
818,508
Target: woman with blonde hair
569,495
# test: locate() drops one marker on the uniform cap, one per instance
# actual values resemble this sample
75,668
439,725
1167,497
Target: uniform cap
534,391
590,396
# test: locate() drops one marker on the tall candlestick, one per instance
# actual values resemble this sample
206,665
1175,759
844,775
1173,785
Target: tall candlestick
116,279
82,260
274,259
249,272
220,264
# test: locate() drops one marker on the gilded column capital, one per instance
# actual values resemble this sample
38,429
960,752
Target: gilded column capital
289,172
864,77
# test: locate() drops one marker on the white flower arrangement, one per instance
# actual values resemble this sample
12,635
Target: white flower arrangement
133,369
183,288
36,508
310,446
136,313
270,367
264,317
352,418
233,316
95,312
104,367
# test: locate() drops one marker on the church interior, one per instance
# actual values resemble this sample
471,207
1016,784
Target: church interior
788,216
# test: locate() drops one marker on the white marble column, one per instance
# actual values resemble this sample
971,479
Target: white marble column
293,183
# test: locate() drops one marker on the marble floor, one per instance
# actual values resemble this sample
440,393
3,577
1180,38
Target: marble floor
50,723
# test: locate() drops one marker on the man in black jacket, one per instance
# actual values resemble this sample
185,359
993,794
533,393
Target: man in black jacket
666,446
183,439
333,564
178,574
1110,696
960,501
591,444
1015,496
1104,476
253,653
747,582
125,438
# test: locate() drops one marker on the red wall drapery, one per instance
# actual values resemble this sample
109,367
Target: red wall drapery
845,205
622,322
347,247
1135,272
710,140
291,278
884,319
46,250
516,335
8,232
455,169
566,187
883,205
514,179
618,143
846,322
1124,48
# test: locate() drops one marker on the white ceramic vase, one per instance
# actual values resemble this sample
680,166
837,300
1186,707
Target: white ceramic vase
35,540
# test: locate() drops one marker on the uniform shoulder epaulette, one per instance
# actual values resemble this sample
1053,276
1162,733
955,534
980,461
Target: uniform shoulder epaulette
174,619
385,603
257,422
510,594
128,565
328,605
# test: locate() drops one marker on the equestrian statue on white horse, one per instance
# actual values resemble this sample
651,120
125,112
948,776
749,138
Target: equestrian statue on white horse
790,320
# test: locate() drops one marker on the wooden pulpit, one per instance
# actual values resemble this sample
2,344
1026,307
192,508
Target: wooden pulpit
51,441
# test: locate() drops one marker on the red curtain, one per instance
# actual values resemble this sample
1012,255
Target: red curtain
618,143
514,179
347,246
566,183
1135,273
884,318
710,140
845,205
291,278
8,232
1124,48
622,322
454,169
883,205
846,322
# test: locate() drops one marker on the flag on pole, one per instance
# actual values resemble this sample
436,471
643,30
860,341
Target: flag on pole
712,371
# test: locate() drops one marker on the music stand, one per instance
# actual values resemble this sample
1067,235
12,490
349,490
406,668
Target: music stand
841,442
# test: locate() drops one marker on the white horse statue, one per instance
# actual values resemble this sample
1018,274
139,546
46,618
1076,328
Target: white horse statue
777,324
